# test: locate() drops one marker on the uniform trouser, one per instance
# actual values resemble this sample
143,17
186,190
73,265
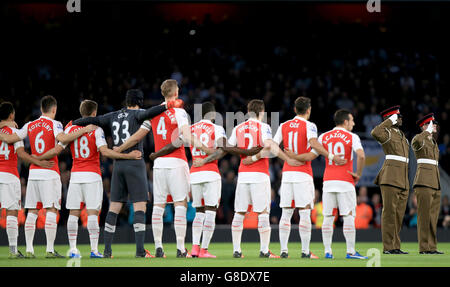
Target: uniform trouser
428,207
394,205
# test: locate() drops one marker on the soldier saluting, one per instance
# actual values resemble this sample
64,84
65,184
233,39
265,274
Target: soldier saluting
427,184
392,178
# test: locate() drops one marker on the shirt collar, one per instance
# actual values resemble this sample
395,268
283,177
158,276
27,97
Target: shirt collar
206,121
47,118
337,128
300,118
255,120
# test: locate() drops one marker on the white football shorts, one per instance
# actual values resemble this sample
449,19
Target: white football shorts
170,184
89,194
43,194
345,201
255,194
10,195
206,193
297,194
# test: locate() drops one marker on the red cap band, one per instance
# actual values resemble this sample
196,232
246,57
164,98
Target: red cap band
392,113
426,121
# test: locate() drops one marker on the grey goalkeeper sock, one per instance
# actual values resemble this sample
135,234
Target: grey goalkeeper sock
110,229
139,231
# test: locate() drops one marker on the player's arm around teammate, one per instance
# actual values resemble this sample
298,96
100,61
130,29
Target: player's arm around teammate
68,138
8,138
167,149
270,147
104,120
104,150
186,134
223,149
23,155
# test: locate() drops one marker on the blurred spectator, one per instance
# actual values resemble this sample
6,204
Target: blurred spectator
412,214
364,212
168,214
444,215
227,199
251,219
275,210
444,146
344,102
317,212
407,83
20,217
190,213
371,120
84,217
130,213
40,222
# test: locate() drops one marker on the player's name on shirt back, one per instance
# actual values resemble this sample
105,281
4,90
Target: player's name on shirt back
40,124
205,127
337,134
248,126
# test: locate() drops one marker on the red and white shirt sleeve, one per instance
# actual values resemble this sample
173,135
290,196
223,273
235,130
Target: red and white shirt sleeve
57,128
181,117
100,138
219,132
17,144
23,132
356,142
278,138
66,131
232,140
7,175
266,132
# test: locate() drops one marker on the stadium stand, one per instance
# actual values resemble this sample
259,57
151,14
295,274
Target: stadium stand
361,66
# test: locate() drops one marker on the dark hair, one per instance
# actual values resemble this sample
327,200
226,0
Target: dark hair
135,97
6,109
255,106
302,104
341,115
87,107
47,103
207,107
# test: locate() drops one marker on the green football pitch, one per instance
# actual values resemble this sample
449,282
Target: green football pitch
124,257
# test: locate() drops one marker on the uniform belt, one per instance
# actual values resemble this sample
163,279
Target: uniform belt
428,161
397,157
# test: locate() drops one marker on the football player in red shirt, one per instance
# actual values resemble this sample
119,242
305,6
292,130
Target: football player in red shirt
44,184
10,195
86,187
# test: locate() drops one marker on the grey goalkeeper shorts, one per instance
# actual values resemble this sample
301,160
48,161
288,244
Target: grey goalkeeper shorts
129,181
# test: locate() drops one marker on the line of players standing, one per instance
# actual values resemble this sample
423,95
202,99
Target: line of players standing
252,140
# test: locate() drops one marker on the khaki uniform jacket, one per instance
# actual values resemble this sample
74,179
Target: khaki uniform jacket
393,142
424,146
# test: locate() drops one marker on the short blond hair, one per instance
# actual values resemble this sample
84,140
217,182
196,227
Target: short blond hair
87,107
168,87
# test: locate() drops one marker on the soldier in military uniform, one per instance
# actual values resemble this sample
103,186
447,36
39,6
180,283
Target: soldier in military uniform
392,178
427,184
